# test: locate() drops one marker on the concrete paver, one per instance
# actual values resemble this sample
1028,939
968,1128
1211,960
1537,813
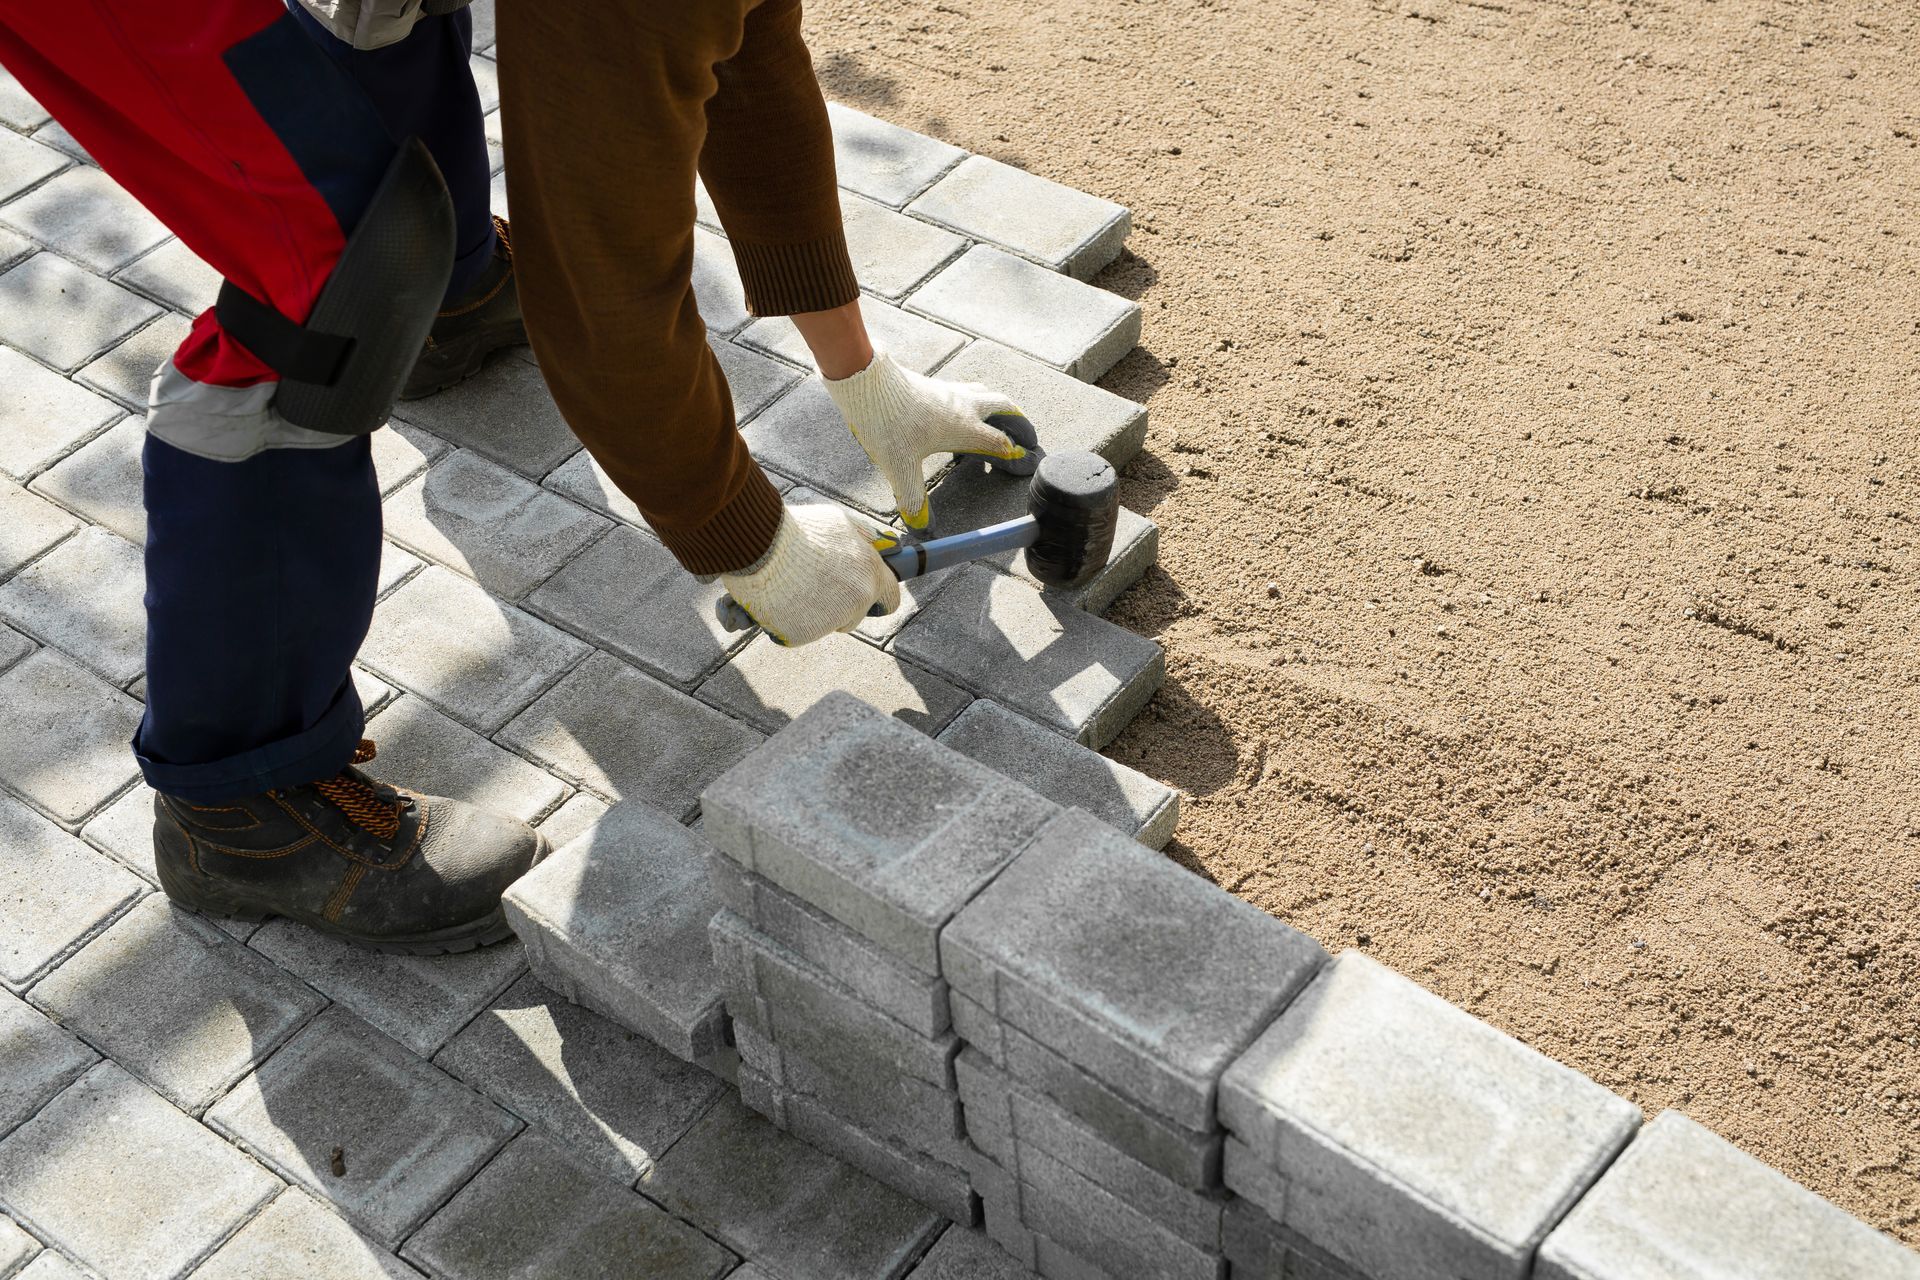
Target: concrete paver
42,416
767,685
101,480
1041,220
913,341
63,314
174,275
57,889
175,1001
504,412
85,597
16,1246
892,252
428,752
24,162
1053,318
37,1060
126,371
117,1178
298,1237
883,161
89,216
29,525
407,1134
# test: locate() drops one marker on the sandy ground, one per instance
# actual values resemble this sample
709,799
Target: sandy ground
1535,390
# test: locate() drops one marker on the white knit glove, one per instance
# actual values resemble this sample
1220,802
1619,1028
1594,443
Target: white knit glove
823,573
901,418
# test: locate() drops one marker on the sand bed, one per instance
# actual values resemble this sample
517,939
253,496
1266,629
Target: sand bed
1536,403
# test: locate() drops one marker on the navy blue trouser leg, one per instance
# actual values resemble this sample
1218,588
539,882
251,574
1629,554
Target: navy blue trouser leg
261,578
423,88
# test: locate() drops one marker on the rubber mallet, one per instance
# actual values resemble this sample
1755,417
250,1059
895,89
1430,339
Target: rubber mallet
1073,505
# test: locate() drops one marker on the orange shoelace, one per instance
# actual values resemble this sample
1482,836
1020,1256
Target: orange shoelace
506,237
360,802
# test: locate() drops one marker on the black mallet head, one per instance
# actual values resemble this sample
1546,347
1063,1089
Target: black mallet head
1075,502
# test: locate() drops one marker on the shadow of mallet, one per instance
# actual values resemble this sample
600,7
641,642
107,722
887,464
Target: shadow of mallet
1073,504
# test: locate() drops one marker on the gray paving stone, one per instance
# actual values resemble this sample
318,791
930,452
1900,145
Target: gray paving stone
615,1100
401,452
535,1212
583,480
1683,1203
962,1254
1261,1249
28,526
18,108
1056,319
1065,412
939,1186
55,135
913,341
101,480
126,372
176,1002
497,196
572,819
1066,773
66,745
800,1008
51,309
14,247
422,750
883,160
768,685
892,252
754,380
909,1112
37,1060
1058,947
16,1246
1189,1157
115,1177
24,162
486,79
626,736
1415,1139
972,496
13,647
49,1265
800,1213
871,822
1070,670
408,1134
1252,1178
504,412
396,566
628,594
1103,1228
496,142
494,526
891,986
55,891
617,921
716,283
1037,218
1006,1119
299,1238
175,275
478,658
42,415
85,598
89,217
804,437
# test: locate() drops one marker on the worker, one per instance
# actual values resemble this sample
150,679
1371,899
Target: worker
341,250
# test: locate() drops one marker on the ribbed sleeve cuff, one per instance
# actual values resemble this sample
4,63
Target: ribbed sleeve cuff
735,536
790,279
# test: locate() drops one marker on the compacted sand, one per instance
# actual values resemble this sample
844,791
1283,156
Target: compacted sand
1535,391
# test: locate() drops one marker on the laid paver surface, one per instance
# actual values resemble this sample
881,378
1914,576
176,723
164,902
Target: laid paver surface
223,1099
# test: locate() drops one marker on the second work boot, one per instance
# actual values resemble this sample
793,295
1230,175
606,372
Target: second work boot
375,865
473,326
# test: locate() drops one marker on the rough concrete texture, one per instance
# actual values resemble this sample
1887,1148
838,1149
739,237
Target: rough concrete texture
113,1176
798,1007
1077,943
617,921
1059,321
1189,1157
66,745
101,480
407,1134
967,1255
534,1212
16,1246
84,598
126,371
42,416
176,1002
59,892
914,342
65,316
871,822
768,685
801,1213
891,986
89,216
1253,1178
503,413
29,525
1070,775
1076,673
611,1097
883,161
1104,1229
37,1060
1037,218
298,1237
912,1112
175,275
1415,1140
891,252
1684,1204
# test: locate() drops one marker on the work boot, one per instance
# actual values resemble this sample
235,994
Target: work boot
475,325
378,866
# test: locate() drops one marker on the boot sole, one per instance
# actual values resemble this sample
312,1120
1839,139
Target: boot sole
471,936
470,355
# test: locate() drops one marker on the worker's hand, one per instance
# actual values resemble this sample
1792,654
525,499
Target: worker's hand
823,573
901,417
